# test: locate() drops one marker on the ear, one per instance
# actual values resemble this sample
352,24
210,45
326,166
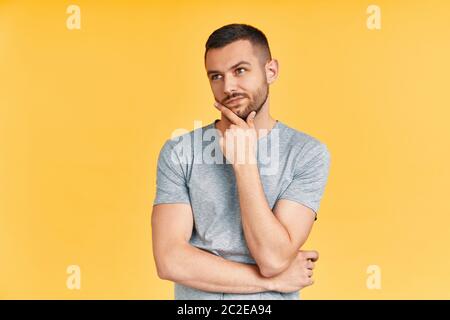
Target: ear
272,70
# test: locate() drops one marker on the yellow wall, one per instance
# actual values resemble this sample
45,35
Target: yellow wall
83,114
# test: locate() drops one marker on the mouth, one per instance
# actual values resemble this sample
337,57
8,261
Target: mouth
235,101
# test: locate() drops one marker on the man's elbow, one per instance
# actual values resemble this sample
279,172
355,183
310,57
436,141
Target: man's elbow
163,269
164,273
167,268
270,269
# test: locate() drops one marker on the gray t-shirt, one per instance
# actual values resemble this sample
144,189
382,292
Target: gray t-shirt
193,170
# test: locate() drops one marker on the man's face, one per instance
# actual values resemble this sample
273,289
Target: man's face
236,71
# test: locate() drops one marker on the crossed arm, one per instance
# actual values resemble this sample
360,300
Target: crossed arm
178,261
273,238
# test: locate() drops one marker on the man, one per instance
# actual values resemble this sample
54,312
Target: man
233,229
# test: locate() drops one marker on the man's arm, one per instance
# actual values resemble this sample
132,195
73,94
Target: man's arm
178,261
273,238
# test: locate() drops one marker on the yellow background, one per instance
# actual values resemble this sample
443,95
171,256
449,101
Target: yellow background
84,113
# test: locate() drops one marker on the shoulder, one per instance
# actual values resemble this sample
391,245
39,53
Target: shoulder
182,142
307,146
301,140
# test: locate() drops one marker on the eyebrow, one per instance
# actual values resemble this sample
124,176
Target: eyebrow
234,66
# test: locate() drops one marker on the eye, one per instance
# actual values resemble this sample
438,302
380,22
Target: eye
214,77
240,69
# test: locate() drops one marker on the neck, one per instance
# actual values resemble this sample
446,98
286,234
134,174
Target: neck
263,121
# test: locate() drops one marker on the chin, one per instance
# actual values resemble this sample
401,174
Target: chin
243,115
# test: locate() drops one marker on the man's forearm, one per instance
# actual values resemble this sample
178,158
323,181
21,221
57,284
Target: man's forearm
267,239
205,271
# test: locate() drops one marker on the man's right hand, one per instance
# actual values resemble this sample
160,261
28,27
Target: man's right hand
298,275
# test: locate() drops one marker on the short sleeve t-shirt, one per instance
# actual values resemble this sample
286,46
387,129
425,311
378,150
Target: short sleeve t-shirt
192,169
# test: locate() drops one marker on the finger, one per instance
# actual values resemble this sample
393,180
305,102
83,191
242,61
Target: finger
251,119
218,106
311,255
310,265
230,115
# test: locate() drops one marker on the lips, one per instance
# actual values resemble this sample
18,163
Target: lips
235,100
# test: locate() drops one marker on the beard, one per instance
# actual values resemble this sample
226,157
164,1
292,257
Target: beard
260,99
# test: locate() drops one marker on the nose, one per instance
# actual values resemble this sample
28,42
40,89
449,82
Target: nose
229,86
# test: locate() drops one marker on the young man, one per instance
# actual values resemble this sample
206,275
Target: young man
232,227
